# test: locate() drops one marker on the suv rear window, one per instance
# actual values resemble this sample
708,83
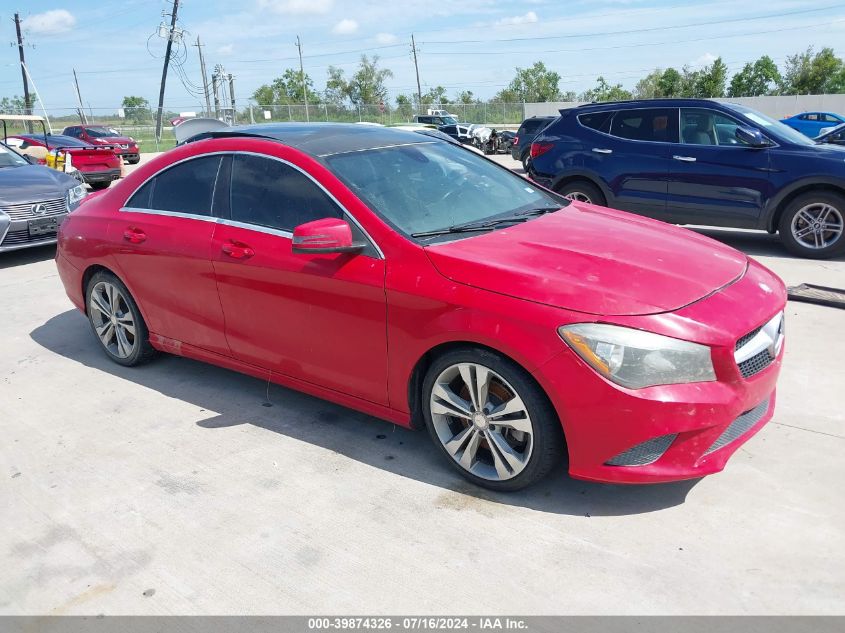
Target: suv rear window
646,124
532,126
599,121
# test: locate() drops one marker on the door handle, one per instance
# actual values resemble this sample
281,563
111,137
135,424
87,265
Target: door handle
601,150
237,250
134,235
685,159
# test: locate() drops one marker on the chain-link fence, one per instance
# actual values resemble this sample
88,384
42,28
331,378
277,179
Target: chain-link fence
139,123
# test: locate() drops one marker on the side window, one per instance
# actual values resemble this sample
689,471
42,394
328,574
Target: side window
812,117
708,127
646,124
829,118
184,188
599,121
270,193
142,197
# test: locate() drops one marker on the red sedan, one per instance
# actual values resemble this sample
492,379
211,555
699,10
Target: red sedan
406,277
99,165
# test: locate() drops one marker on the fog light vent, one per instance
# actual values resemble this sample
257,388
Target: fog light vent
643,454
740,426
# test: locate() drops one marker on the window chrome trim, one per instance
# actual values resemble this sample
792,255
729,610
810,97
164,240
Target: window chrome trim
624,109
245,225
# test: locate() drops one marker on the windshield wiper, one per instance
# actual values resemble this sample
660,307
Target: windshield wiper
522,216
538,211
472,226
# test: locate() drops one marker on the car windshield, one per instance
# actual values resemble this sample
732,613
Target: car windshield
99,132
9,158
429,187
779,130
449,120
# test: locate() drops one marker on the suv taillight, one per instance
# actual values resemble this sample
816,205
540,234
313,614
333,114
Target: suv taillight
516,140
538,149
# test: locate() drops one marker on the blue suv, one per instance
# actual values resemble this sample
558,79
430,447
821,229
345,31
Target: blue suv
696,161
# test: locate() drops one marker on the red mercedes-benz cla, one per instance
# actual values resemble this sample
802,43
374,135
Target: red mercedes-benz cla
402,275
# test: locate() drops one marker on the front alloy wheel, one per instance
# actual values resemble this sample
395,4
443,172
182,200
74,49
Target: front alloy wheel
481,421
490,418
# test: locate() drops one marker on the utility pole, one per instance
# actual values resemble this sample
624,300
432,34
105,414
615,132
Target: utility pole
26,103
216,96
417,69
79,99
204,77
164,69
231,79
302,75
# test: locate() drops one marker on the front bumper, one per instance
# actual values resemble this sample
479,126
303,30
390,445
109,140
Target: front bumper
672,432
15,235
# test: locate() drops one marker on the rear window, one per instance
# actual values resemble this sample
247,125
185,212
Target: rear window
532,126
599,121
646,124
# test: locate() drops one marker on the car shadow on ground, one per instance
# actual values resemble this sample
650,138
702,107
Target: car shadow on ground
25,256
233,399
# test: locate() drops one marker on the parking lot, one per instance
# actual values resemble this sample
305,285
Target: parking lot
178,487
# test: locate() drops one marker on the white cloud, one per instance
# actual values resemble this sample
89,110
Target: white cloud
297,7
226,49
704,60
345,27
386,38
516,20
49,22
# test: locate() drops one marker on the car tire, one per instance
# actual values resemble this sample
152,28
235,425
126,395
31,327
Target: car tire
526,162
99,186
134,161
481,442
813,225
116,321
582,191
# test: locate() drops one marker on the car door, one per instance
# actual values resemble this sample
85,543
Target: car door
163,237
715,178
632,157
320,318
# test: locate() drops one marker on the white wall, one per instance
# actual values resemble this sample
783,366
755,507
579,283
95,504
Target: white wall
776,107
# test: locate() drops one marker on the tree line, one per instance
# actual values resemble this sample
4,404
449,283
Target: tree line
806,72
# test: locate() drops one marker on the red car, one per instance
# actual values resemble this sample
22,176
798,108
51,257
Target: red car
406,277
124,146
99,165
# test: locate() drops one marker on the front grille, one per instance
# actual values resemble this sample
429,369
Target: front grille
25,211
643,454
23,237
743,340
755,364
740,426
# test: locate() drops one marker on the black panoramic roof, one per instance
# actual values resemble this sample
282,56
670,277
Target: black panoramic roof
325,139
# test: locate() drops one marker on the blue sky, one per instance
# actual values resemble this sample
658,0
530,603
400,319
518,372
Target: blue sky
464,44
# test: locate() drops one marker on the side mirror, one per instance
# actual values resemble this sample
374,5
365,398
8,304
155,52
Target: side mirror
751,136
329,235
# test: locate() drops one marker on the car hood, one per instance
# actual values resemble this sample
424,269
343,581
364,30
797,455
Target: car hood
594,260
32,183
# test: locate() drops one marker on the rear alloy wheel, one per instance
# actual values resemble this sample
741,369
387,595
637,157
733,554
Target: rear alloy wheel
116,321
582,191
491,420
813,225
526,163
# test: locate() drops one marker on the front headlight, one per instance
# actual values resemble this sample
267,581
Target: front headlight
75,196
637,359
